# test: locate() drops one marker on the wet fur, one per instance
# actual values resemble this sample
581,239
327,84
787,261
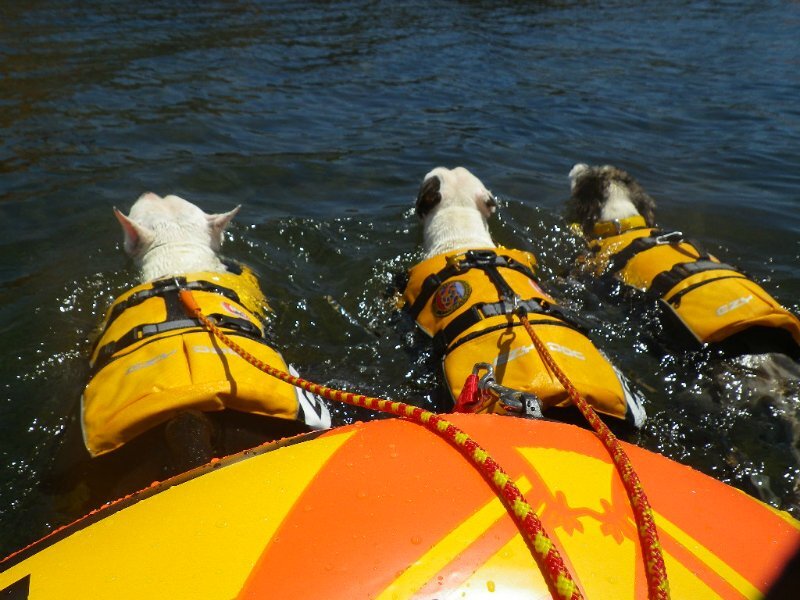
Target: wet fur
169,236
165,237
606,193
592,196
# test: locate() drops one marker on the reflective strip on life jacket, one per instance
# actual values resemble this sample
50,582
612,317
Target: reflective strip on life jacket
710,299
464,301
152,362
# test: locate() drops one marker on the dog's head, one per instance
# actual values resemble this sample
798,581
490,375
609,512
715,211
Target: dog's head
156,221
606,193
444,188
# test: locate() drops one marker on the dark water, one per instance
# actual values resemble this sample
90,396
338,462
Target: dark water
322,118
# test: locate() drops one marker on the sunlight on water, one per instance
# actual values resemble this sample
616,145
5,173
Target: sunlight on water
321,120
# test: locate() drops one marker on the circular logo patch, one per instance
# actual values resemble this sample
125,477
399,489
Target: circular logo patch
233,310
450,297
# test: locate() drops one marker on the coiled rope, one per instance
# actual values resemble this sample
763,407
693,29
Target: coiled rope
657,582
521,512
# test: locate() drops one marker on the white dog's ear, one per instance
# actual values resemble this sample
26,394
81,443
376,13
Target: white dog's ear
137,237
428,196
489,203
217,225
576,171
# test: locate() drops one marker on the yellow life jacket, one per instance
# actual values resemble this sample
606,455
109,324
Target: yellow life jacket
152,361
709,299
464,302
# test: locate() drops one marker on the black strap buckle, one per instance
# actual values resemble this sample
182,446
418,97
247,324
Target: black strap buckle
482,258
673,237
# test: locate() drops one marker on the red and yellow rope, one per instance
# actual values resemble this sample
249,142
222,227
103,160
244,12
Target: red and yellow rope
657,583
521,512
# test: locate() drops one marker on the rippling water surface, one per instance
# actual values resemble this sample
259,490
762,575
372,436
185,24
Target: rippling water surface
322,118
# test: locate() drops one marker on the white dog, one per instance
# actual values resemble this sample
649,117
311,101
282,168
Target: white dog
155,366
467,294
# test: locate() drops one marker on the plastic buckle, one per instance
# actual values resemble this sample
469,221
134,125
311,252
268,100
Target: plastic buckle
673,237
481,258
454,260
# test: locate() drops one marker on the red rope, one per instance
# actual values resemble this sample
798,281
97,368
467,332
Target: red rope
469,398
542,547
657,583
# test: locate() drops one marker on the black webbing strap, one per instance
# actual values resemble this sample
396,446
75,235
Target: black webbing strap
476,334
478,312
657,237
489,262
666,280
164,287
232,266
141,332
486,260
621,258
429,287
675,299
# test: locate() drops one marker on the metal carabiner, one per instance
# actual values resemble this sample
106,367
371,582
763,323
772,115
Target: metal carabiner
488,378
514,401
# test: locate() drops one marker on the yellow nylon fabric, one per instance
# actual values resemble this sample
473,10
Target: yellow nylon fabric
151,380
482,288
516,362
713,311
153,310
606,228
